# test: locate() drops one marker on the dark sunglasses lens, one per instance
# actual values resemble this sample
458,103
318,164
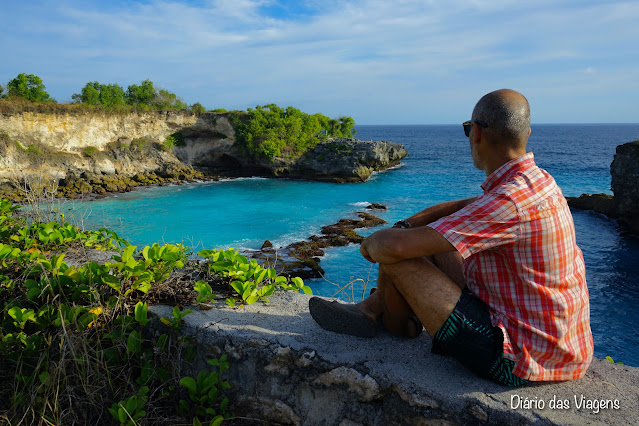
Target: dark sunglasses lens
467,129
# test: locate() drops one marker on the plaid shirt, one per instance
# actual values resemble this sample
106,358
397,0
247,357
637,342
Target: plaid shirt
521,258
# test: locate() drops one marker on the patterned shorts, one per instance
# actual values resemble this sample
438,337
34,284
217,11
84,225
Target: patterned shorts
469,336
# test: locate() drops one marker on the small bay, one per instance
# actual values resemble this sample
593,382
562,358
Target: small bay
243,213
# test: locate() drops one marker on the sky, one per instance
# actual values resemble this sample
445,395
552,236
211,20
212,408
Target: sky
378,61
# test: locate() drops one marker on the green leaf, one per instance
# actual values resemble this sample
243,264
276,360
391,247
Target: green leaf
260,276
122,416
217,421
203,288
141,313
252,298
189,383
238,286
134,342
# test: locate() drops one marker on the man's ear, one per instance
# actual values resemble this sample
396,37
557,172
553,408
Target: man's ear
477,133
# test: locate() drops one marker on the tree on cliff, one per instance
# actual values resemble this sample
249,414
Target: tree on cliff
165,100
142,94
270,131
29,87
94,93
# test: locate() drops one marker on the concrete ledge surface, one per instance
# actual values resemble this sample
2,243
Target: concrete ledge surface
288,370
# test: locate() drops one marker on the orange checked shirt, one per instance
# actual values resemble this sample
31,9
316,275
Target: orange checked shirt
521,258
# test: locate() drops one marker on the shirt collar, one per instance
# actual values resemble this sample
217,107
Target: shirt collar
506,170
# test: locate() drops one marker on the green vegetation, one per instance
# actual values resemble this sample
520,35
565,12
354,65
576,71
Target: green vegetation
108,97
90,151
198,108
29,87
138,144
143,96
74,342
175,139
269,131
609,358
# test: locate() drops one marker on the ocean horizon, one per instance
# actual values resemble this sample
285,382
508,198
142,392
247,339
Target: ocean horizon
243,213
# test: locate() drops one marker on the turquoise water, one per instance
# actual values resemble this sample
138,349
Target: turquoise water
243,213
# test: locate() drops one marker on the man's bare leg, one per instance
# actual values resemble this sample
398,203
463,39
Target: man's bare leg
450,264
409,293
390,302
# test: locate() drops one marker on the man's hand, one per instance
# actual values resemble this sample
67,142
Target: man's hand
364,253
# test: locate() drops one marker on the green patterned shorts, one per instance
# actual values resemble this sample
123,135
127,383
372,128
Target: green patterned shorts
469,336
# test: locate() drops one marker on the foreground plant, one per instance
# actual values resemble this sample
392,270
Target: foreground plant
74,340
251,281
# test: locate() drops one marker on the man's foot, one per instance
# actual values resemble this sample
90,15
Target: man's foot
341,318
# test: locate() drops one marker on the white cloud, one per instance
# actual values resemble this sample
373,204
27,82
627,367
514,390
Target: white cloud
357,57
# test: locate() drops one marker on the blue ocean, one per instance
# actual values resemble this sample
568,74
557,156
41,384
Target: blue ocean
243,213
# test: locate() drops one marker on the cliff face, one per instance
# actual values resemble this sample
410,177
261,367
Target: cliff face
65,147
624,205
72,132
625,184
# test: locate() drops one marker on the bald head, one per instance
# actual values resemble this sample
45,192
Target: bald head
507,114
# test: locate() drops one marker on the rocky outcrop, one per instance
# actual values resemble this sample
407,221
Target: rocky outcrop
624,205
600,203
302,258
625,184
345,160
74,144
336,160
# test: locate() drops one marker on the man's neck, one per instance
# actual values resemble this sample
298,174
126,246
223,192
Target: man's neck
500,158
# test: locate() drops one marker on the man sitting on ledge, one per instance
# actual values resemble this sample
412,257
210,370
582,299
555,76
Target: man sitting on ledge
498,280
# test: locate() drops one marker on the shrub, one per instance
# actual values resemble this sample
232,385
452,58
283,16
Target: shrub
90,151
138,144
73,344
33,150
198,108
175,139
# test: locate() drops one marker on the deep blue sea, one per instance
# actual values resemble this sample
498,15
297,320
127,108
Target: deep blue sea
243,213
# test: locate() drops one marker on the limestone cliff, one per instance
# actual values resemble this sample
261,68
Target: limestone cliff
114,151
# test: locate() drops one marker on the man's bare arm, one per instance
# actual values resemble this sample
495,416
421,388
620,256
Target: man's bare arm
393,245
432,213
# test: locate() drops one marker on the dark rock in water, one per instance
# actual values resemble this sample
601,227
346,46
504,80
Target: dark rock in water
267,245
601,203
624,205
625,184
376,206
302,258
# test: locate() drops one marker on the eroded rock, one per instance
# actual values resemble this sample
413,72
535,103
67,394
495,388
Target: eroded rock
302,258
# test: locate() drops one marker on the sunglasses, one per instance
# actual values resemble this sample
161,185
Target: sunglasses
468,124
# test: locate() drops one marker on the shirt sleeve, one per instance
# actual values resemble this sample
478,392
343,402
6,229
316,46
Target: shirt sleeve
489,221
